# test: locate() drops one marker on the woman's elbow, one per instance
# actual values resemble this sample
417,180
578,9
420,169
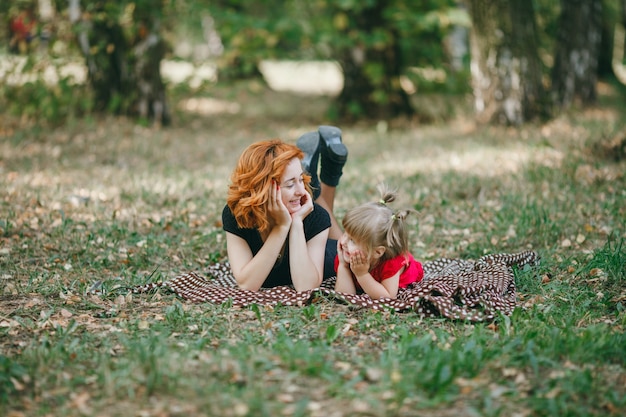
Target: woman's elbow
388,296
246,285
307,286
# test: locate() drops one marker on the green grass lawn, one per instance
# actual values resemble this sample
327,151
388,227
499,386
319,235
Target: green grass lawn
111,201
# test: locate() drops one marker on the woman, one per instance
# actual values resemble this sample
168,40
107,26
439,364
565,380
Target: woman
275,233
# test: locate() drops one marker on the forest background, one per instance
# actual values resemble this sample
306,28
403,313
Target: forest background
501,123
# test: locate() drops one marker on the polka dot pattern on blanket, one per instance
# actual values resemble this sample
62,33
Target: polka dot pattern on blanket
452,288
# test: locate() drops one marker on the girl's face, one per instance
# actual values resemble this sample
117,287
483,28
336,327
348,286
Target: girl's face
351,246
292,188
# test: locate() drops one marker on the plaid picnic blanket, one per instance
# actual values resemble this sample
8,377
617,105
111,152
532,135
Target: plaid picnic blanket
474,290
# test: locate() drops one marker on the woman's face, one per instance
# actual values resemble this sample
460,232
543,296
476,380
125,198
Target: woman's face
292,186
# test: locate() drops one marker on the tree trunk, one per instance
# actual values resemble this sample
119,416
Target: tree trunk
371,72
575,70
146,56
505,65
124,71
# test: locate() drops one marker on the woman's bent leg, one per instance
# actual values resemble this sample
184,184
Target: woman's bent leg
326,199
329,259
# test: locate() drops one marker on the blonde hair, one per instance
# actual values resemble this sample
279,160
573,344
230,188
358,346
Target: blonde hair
251,181
376,224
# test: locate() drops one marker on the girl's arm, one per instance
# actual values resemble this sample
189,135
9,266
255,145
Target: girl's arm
249,271
345,280
388,288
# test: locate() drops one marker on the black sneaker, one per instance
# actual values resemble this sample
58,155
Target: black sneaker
310,144
334,154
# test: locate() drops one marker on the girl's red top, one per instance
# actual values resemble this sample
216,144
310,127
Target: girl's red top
412,273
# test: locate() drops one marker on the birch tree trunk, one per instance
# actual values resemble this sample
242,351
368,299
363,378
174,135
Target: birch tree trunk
505,66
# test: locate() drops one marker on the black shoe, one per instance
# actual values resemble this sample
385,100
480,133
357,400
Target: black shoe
334,155
310,144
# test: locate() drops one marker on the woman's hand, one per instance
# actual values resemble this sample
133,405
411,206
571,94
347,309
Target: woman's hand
276,208
307,207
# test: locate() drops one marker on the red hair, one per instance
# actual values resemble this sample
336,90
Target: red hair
250,182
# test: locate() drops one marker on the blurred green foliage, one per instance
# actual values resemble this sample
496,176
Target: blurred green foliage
37,101
298,29
282,29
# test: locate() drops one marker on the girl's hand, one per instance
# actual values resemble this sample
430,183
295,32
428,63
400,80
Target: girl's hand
276,208
359,264
307,207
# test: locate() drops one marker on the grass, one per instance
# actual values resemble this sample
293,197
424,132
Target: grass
105,203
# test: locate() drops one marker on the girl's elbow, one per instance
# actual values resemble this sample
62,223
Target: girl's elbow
378,296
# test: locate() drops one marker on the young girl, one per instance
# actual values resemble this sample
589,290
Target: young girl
373,254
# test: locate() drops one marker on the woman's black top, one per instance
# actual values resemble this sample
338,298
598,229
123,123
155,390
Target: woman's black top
317,221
